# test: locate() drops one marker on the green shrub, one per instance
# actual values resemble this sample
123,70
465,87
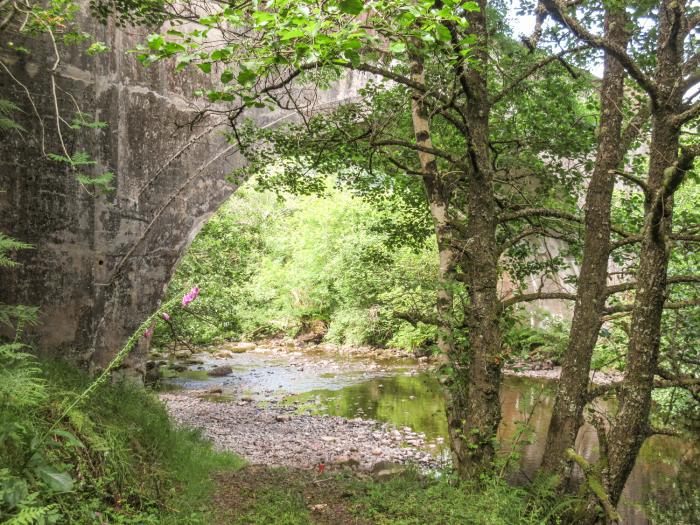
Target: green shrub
414,500
115,459
269,265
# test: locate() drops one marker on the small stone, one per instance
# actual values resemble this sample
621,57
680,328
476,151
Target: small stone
377,452
220,371
283,418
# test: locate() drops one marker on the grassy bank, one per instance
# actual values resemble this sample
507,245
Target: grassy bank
115,459
292,497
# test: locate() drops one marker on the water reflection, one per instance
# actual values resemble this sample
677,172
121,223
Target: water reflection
417,401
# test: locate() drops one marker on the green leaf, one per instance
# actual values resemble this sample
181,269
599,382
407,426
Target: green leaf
96,47
397,47
443,33
70,438
227,76
292,33
205,67
263,17
246,76
351,7
57,481
101,182
155,42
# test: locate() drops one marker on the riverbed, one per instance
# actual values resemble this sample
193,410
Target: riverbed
325,408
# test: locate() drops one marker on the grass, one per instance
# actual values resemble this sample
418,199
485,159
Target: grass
295,497
128,462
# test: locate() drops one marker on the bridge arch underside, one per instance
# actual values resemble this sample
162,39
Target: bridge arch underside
101,262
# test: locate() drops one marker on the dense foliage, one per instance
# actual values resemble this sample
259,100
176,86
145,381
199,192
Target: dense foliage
288,265
117,459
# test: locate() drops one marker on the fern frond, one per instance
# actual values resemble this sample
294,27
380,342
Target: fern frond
7,107
32,516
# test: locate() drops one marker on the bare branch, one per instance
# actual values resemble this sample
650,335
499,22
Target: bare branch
532,70
619,308
689,114
537,296
417,147
552,213
633,179
556,10
674,279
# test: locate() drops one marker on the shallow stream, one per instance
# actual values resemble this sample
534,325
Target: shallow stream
402,392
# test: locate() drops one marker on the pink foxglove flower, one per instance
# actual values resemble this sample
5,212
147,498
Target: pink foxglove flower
189,297
148,333
166,316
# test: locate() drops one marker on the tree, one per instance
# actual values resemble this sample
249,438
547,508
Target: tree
665,73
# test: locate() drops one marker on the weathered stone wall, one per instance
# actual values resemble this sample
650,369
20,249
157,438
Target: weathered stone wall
101,262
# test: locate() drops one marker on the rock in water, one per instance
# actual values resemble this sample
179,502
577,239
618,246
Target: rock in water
220,371
183,354
239,348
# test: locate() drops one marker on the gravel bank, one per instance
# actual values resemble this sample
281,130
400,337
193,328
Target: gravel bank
276,436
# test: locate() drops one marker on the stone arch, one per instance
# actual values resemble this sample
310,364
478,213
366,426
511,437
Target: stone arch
101,262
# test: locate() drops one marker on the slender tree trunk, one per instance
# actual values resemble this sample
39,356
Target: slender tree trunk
438,203
572,390
438,197
630,426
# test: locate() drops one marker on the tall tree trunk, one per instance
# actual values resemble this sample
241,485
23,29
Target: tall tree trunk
630,426
476,421
438,198
572,391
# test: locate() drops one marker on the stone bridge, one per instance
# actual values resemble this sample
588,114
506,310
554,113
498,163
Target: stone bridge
100,263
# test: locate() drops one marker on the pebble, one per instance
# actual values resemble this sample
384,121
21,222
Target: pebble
271,436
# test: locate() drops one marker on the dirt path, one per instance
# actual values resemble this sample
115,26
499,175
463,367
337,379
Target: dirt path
260,495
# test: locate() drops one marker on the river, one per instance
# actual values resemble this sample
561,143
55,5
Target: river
405,394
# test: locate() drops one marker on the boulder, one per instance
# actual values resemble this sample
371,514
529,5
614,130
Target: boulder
239,348
220,371
223,354
152,376
346,461
182,354
384,470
